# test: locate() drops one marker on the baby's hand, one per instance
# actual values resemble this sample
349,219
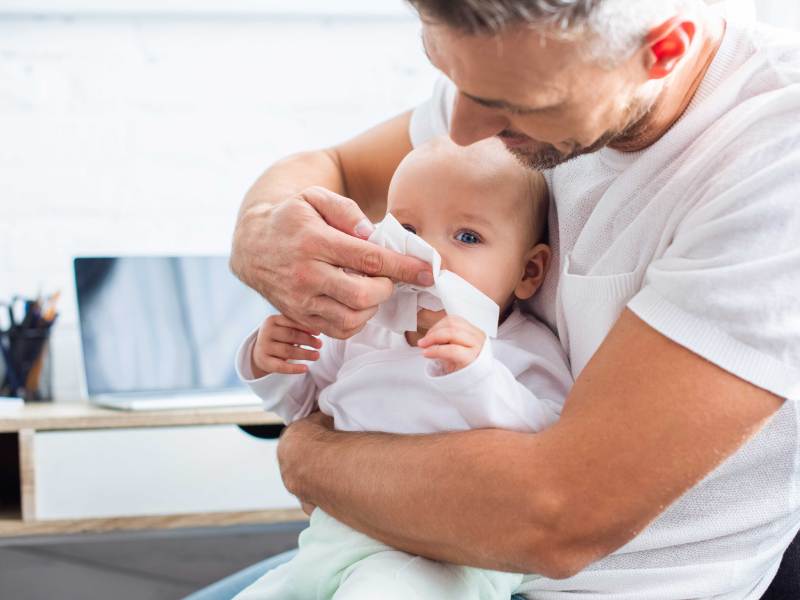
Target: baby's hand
454,342
279,340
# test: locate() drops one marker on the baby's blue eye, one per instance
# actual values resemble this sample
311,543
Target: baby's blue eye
468,237
410,228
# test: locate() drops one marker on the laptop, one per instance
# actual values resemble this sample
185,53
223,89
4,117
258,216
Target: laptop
161,332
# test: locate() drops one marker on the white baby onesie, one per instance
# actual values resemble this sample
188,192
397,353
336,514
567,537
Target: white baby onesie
376,381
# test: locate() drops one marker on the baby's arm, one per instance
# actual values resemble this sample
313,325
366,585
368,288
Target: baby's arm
287,388
485,391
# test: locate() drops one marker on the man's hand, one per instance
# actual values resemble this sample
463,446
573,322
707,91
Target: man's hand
294,446
454,342
293,253
280,340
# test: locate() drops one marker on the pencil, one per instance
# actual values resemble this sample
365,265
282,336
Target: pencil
49,312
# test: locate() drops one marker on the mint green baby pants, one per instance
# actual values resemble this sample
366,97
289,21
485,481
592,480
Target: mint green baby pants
336,562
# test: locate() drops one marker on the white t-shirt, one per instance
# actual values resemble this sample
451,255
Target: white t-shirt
376,381
699,235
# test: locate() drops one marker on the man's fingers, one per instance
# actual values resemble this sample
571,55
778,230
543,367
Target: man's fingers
321,324
284,321
346,251
356,291
341,322
339,212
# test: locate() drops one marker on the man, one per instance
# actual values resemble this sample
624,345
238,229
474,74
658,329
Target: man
671,144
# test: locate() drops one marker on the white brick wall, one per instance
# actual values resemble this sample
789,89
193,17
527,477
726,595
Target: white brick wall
139,129
141,134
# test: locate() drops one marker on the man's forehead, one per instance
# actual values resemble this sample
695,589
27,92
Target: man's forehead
514,70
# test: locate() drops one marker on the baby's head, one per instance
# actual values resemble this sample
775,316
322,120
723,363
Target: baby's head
481,210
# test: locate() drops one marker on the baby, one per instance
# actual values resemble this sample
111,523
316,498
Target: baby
484,216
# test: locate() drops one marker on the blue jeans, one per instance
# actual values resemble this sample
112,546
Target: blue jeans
230,586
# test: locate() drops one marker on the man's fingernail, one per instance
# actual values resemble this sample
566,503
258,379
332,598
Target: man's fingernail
365,228
425,278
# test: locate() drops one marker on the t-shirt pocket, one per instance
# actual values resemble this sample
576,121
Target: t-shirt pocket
588,306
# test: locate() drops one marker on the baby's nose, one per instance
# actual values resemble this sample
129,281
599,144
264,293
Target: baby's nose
439,250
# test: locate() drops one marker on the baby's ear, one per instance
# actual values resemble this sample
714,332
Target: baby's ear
537,260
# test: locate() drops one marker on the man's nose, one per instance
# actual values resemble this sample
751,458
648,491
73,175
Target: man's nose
472,122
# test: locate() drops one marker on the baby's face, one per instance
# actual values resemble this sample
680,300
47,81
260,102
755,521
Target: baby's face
480,227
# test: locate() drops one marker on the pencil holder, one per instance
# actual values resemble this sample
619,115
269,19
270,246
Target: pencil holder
37,386
25,325
27,369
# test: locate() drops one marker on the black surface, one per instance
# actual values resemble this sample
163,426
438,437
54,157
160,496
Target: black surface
786,585
10,503
157,565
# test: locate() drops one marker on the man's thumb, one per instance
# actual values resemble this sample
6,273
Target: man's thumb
339,212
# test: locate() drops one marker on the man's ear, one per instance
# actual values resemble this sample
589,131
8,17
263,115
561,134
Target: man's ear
667,45
537,261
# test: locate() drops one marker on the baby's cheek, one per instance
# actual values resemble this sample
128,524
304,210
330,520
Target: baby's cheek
488,268
491,280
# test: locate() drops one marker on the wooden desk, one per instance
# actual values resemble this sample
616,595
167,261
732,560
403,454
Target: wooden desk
18,431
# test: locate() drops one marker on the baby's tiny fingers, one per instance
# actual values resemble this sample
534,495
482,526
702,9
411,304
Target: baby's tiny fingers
295,337
290,352
458,356
276,365
290,369
447,335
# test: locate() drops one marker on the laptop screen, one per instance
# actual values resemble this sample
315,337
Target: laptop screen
162,324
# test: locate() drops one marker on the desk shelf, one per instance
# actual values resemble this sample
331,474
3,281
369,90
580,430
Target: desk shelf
18,471
48,417
12,525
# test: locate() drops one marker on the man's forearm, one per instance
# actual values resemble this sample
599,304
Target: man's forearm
292,175
359,169
458,505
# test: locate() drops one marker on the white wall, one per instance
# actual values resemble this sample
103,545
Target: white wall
138,129
140,134
782,13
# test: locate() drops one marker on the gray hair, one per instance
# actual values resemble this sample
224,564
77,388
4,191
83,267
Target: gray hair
617,27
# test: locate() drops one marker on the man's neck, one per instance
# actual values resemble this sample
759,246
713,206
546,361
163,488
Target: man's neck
678,93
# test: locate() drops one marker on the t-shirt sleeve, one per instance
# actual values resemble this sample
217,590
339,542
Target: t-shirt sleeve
728,286
432,118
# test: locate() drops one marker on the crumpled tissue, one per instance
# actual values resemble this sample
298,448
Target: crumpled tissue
449,291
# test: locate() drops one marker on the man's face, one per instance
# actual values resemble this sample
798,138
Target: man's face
541,96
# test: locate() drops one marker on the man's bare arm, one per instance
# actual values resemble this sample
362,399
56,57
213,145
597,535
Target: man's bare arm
360,169
646,420
308,215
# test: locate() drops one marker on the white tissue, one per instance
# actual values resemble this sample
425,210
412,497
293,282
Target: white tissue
449,291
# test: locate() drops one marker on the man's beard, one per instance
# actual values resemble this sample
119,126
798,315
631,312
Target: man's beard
541,157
